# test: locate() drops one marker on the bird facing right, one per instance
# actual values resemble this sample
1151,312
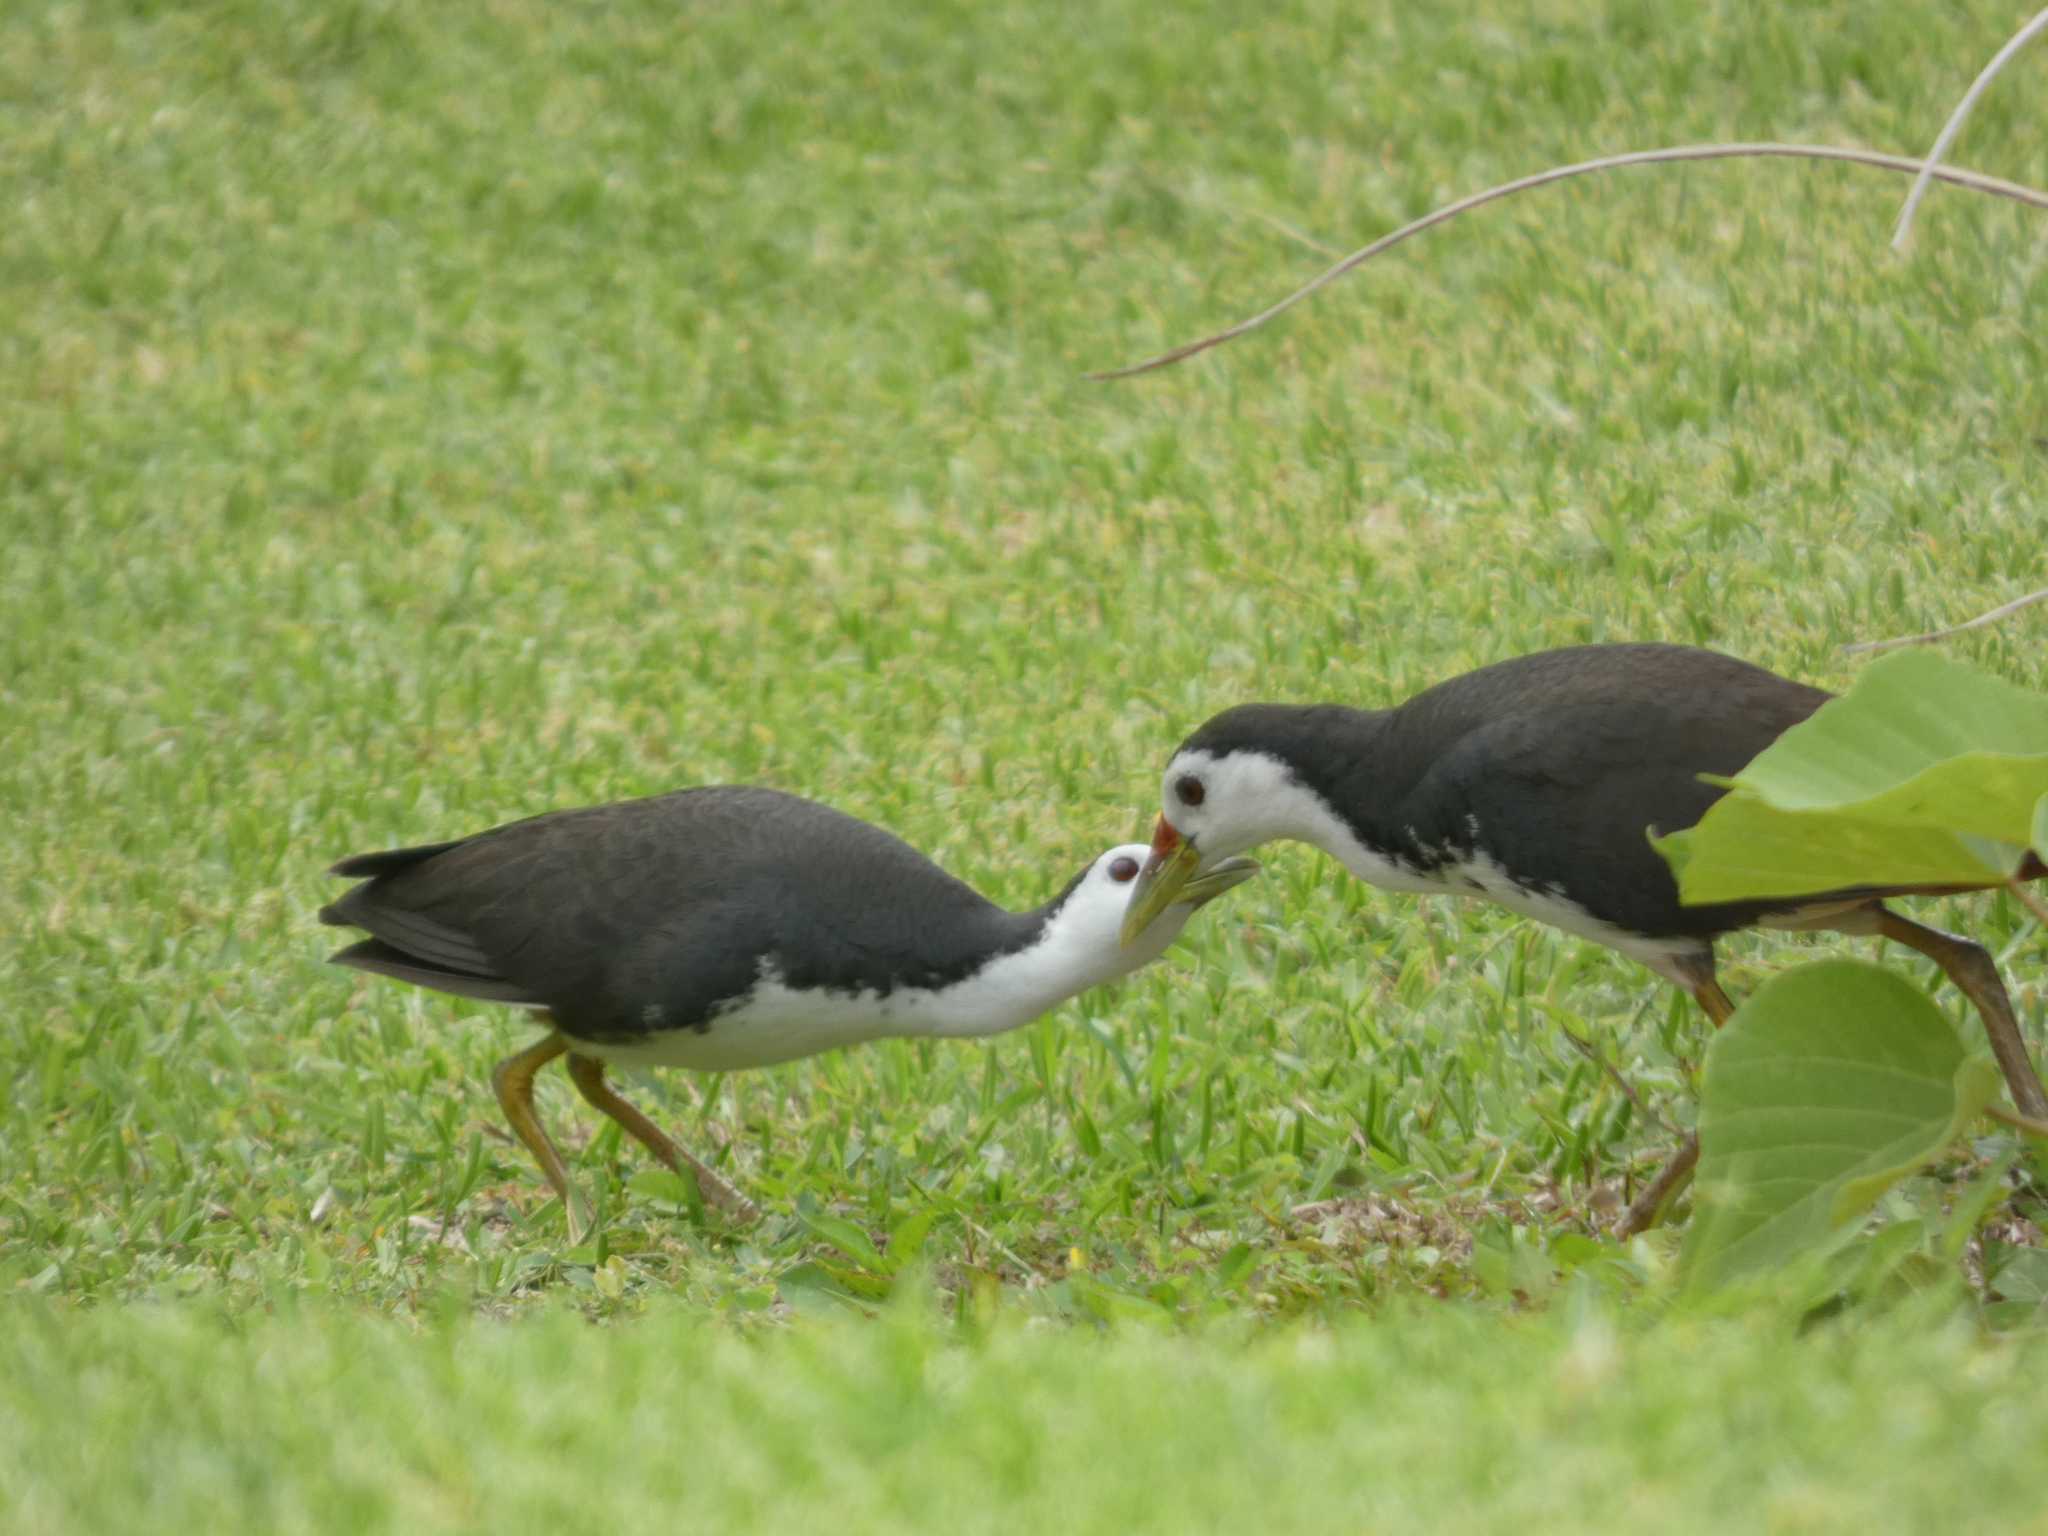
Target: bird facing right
725,927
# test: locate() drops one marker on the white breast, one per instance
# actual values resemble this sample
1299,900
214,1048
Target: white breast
774,1022
1478,875
770,1023
1481,876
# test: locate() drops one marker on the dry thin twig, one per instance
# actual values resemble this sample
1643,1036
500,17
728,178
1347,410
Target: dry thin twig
1954,629
1594,1054
1971,179
1954,125
1299,237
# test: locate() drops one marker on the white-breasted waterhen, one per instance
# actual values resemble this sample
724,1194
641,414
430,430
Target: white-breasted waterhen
1532,783
726,927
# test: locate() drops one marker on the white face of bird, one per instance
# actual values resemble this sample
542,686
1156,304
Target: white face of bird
1224,805
1078,947
1095,909
1212,808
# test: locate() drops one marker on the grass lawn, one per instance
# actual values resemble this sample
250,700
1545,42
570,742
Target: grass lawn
420,417
1428,1420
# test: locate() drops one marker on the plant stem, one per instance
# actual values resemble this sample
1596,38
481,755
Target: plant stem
2004,610
1661,1191
1932,167
1970,179
2038,1129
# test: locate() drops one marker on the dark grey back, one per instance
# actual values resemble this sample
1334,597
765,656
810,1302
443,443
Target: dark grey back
1565,759
648,915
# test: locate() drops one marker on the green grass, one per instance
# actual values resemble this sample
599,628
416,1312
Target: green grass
422,417
1448,1421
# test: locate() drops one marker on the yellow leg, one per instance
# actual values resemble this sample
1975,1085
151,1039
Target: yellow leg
1643,1213
1970,966
587,1073
513,1080
1714,1001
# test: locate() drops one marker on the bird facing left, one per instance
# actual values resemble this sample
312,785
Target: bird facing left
727,927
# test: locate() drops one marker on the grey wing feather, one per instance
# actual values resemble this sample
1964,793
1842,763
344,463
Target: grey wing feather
376,956
403,929
361,866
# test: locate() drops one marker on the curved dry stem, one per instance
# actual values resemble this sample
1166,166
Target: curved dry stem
1954,629
1971,179
1954,125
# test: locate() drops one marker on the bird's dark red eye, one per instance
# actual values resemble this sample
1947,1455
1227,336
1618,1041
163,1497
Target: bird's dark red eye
1124,870
1189,788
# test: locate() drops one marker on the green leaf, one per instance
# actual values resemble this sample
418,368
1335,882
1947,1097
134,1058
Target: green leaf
659,1184
2040,834
1744,847
1926,772
1828,1086
675,1188
1966,1212
1869,1267
843,1235
906,1238
2019,1274
1234,1266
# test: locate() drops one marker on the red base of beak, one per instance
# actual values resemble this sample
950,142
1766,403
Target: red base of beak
1164,840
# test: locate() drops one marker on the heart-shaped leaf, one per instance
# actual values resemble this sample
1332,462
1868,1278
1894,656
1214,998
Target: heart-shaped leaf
1926,772
1828,1086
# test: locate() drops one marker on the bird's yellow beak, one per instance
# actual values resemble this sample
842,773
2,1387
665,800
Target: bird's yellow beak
1219,877
1171,864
